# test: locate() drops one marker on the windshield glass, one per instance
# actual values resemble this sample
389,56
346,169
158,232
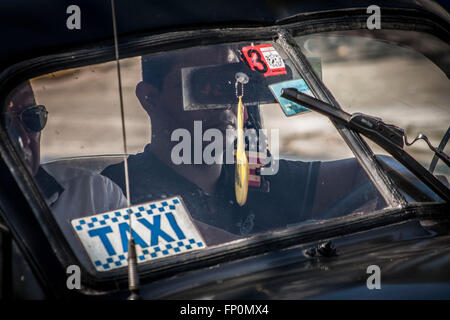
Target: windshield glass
399,76
214,153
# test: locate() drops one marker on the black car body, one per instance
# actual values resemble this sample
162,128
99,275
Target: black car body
329,259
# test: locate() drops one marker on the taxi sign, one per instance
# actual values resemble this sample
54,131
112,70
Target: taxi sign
160,229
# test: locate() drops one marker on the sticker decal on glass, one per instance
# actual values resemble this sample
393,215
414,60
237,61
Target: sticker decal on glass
160,229
290,108
264,59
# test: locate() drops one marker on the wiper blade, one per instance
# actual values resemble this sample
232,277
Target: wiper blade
389,137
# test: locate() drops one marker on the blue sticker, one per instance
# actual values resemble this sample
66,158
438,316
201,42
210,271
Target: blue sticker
290,108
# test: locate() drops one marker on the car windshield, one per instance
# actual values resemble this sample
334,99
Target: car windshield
399,76
214,154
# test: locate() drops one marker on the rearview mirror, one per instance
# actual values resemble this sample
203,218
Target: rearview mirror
213,87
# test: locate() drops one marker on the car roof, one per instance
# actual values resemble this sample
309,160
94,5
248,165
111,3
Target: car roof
34,28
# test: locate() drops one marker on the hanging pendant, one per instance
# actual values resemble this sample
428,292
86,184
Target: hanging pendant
242,168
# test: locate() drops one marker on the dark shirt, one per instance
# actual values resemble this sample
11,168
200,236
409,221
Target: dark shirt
288,200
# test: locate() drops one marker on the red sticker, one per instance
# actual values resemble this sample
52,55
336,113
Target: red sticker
265,59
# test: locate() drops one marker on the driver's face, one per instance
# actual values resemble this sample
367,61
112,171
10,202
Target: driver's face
27,141
221,119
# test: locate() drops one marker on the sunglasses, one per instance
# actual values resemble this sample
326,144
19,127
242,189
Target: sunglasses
33,117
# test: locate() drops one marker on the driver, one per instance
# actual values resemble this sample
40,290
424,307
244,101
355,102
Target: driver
69,192
297,192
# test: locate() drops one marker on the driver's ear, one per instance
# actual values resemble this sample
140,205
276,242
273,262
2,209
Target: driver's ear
148,95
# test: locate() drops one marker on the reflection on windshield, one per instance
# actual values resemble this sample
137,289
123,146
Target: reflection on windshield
183,175
399,76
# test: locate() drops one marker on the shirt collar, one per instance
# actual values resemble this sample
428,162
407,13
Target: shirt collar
48,185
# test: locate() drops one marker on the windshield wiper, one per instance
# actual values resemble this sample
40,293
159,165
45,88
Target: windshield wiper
391,138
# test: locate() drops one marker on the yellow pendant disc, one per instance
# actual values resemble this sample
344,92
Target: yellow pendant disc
242,168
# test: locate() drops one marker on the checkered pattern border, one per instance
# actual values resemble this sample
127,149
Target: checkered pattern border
150,253
118,216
